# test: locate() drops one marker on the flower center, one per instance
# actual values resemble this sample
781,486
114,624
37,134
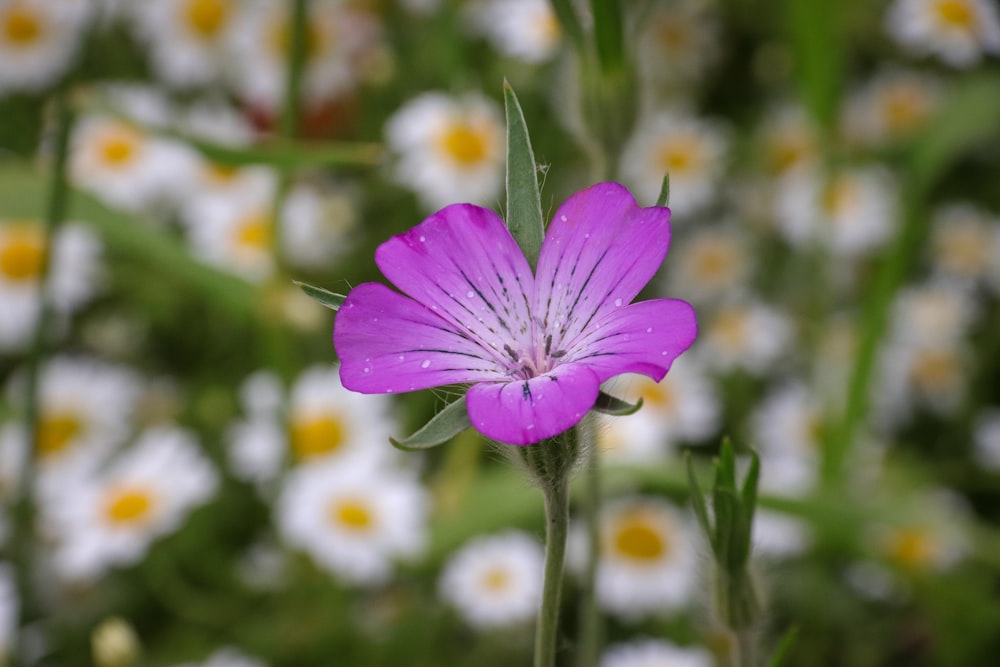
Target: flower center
281,38
787,152
911,547
253,233
352,514
128,505
681,154
674,34
496,580
934,370
731,327
21,26
119,147
658,395
713,263
56,431
956,14
21,254
904,108
837,197
464,143
206,17
964,251
221,174
636,538
312,438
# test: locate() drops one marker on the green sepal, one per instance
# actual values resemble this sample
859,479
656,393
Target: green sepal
524,201
331,300
698,500
442,427
616,407
664,198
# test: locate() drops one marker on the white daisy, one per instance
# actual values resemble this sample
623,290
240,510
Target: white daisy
777,535
937,312
789,140
449,148
235,233
917,374
73,275
649,560
495,581
986,440
683,407
851,212
932,535
354,520
965,242
85,410
788,423
338,37
677,42
745,335
716,262
893,106
9,610
110,518
691,149
527,30
317,225
227,657
957,31
654,653
128,167
186,39
38,39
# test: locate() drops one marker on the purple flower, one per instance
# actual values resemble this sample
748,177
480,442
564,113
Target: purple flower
534,349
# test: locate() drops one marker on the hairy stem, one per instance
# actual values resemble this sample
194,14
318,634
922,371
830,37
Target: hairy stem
556,499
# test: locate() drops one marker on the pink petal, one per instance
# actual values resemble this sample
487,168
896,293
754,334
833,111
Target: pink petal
526,411
463,264
644,338
599,252
388,343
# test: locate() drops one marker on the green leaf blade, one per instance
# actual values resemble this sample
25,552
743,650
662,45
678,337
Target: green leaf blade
444,426
616,407
524,201
331,300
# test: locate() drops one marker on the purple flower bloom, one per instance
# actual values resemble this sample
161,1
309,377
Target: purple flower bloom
535,349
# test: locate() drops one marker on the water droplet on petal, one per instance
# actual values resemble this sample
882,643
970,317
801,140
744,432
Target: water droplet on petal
618,302
470,294
649,330
563,218
422,239
402,357
425,363
367,370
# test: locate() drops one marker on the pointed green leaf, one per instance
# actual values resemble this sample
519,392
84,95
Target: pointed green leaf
331,300
664,198
724,504
727,466
607,17
750,482
616,407
784,646
444,426
524,201
698,500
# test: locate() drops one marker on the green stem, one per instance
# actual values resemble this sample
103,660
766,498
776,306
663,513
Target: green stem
746,648
556,498
590,617
24,510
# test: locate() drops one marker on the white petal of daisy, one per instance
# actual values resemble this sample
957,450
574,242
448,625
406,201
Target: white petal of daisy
354,520
654,653
527,30
186,39
677,42
920,375
234,233
965,242
852,212
73,276
745,335
691,149
893,106
227,657
495,581
788,423
316,225
648,561
986,440
111,518
932,313
448,149
957,31
790,140
257,449
683,407
778,535
38,39
931,537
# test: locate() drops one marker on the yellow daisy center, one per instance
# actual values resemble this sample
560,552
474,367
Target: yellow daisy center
206,17
464,143
128,505
56,431
904,108
281,38
22,253
636,537
787,152
119,147
731,327
253,233
496,579
658,395
318,436
21,26
353,514
838,195
956,14
680,155
911,548
713,263
963,251
935,369
674,34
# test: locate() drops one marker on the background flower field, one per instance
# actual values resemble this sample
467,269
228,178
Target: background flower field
183,475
